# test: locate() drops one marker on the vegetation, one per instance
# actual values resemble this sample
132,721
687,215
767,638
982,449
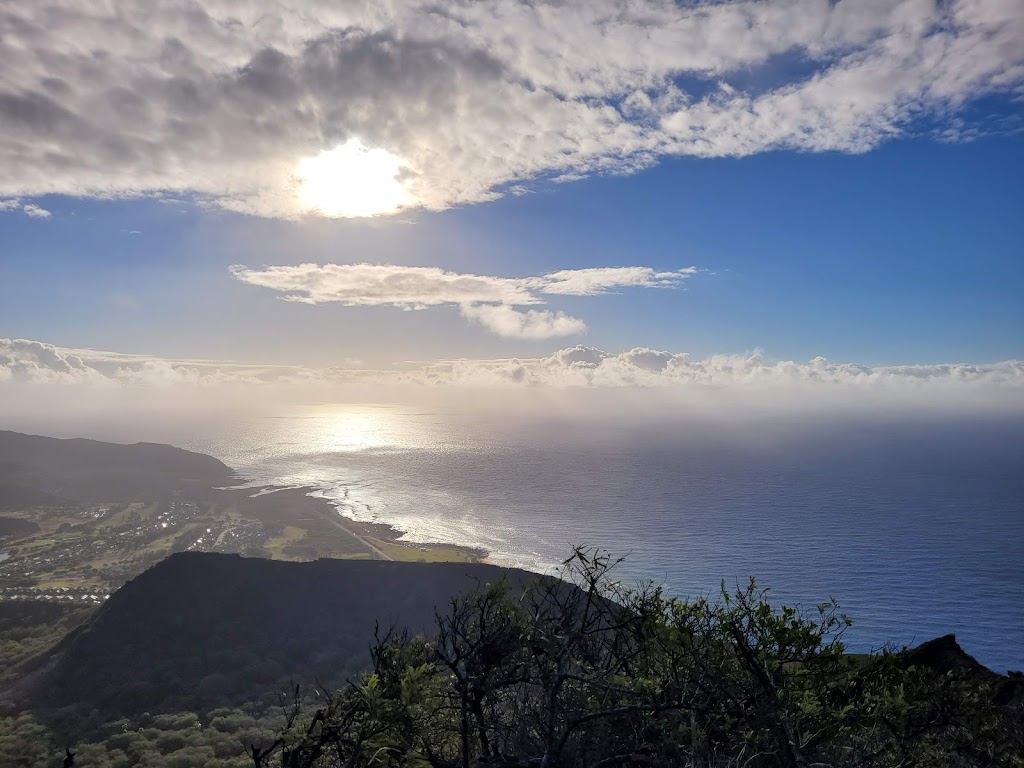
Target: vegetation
580,672
596,674
28,628
418,553
174,740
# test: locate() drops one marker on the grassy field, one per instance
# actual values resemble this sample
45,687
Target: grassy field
290,535
58,583
416,553
101,546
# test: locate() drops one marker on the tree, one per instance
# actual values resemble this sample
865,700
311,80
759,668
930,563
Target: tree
582,671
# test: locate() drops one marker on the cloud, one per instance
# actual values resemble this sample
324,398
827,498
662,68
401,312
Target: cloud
532,324
49,371
484,299
37,362
597,280
36,212
643,368
28,362
29,209
229,102
363,285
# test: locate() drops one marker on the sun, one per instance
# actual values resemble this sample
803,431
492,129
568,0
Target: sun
353,180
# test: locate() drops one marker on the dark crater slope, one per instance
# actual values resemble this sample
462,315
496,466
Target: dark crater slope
41,470
203,629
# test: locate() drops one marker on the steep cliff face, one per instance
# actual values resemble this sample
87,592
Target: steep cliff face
45,469
202,628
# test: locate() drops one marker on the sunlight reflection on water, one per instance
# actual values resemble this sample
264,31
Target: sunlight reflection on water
915,527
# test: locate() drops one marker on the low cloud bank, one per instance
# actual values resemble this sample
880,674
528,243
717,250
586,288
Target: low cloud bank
25,363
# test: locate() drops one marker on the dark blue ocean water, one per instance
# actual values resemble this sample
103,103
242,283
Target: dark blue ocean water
914,523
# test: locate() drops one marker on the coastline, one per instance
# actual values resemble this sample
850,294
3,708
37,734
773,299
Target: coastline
290,505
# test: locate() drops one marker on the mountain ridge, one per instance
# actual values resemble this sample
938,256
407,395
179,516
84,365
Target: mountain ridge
49,469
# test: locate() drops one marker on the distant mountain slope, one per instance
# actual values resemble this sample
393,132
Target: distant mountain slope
208,629
36,469
13,526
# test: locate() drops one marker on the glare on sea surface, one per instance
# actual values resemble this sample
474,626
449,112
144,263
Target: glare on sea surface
355,430
353,180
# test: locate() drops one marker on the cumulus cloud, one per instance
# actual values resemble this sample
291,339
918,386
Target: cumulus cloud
487,300
28,362
361,285
36,212
588,367
467,101
531,324
35,361
29,209
41,367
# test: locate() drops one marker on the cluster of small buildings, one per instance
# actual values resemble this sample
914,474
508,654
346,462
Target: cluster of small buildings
112,545
65,594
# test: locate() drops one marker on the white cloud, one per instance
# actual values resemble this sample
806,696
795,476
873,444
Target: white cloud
29,209
35,361
36,212
227,100
588,367
485,299
38,367
597,280
356,285
531,324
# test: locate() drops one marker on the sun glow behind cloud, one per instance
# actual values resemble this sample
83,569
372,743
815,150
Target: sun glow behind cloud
353,180
480,97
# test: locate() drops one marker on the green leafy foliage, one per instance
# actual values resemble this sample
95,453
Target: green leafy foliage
27,628
174,740
586,672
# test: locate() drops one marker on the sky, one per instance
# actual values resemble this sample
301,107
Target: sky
503,193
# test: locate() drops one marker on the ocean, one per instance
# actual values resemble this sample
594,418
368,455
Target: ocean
913,522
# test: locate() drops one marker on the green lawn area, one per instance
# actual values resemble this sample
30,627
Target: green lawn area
116,518
47,583
290,535
160,545
33,543
435,553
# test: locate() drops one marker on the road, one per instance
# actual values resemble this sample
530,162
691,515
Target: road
220,538
380,553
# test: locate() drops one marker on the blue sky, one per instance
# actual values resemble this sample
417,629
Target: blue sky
360,186
911,253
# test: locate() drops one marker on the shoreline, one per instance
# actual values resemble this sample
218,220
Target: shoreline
383,540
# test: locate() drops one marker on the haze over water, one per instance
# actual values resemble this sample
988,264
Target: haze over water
915,524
